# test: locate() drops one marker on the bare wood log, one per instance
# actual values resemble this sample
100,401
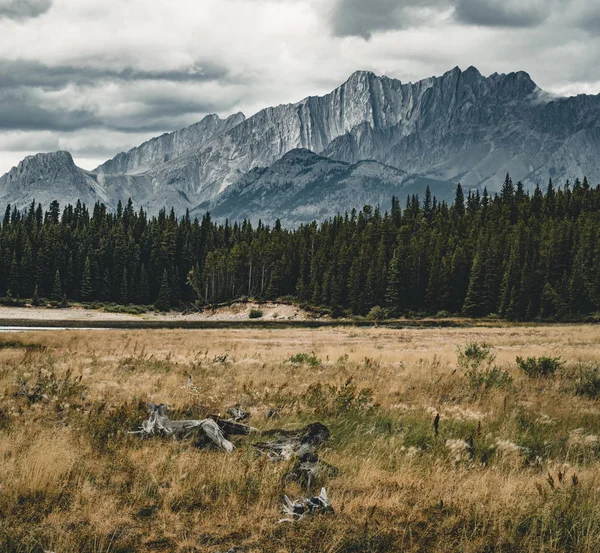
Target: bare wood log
232,428
288,444
208,431
238,413
297,510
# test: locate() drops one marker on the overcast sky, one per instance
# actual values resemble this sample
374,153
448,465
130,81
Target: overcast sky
96,77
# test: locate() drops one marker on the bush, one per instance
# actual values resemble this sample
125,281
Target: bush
304,359
334,400
128,309
474,354
588,383
485,379
539,366
443,315
376,313
470,360
255,314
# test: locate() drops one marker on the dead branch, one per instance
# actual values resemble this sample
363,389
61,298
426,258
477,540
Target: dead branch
207,430
297,510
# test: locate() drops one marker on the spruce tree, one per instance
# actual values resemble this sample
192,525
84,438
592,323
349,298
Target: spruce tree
143,290
86,289
124,289
476,301
57,292
36,297
163,301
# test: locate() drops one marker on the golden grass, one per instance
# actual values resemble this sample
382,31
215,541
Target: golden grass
73,480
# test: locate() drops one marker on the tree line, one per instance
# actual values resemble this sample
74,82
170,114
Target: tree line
519,255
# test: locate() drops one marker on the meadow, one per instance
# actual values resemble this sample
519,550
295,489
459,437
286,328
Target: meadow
511,465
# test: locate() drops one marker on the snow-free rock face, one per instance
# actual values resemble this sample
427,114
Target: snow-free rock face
461,126
303,186
48,177
162,149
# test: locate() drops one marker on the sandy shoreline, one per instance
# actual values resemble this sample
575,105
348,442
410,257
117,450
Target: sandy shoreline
236,312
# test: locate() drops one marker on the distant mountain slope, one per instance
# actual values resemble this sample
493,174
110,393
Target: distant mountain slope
48,177
303,186
162,149
461,126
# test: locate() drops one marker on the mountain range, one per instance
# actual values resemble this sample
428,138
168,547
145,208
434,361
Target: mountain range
368,139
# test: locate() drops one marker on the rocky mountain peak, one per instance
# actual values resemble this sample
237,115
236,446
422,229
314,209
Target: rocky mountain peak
457,126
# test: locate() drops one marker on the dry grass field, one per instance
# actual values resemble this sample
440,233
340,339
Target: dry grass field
514,465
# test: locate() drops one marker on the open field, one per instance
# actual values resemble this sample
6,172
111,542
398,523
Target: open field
514,467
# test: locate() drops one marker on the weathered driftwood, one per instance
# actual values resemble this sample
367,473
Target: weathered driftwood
289,444
232,428
309,471
238,413
206,430
297,510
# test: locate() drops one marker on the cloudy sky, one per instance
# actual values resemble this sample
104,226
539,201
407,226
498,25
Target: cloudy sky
96,77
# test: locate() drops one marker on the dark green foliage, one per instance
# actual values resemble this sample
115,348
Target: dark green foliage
477,363
539,366
87,290
588,383
163,301
57,287
305,359
376,313
36,298
338,400
255,314
523,256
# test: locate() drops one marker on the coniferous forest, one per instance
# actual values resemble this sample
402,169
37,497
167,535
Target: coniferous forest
520,255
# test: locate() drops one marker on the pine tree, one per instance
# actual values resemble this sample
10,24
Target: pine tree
124,288
36,297
163,301
552,306
477,302
143,296
394,294
427,205
105,293
57,292
27,272
87,289
459,201
14,280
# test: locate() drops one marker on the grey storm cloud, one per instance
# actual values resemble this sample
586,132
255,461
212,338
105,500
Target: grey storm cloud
360,18
23,83
502,13
23,9
16,73
19,110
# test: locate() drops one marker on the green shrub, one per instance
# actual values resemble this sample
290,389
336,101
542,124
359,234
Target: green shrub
255,314
334,400
17,344
588,383
128,309
476,362
376,313
474,354
443,314
304,359
48,385
539,366
485,379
